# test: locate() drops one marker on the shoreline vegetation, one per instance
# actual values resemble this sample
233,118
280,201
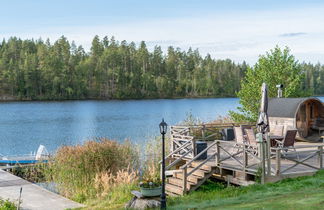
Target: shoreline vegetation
11,99
44,70
100,173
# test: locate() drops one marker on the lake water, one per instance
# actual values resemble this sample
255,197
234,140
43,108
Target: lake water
26,125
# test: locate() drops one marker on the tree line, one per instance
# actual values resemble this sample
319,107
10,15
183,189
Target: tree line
40,70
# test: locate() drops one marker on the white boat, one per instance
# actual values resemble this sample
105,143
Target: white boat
42,155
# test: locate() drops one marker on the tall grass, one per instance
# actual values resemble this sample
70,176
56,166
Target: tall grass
85,171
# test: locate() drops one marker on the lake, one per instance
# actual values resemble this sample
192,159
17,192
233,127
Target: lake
26,125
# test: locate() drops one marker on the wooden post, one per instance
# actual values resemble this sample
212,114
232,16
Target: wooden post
320,157
268,149
278,163
203,135
194,150
263,157
172,146
184,186
245,158
217,158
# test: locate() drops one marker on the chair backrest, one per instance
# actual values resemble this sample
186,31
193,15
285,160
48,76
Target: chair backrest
244,127
289,139
250,136
238,135
277,130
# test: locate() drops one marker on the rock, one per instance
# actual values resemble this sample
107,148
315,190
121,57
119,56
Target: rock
137,194
143,203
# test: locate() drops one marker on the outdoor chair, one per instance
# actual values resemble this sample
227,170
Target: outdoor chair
288,142
277,130
252,140
244,127
239,139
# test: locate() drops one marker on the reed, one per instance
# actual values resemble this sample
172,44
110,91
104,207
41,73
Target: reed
84,171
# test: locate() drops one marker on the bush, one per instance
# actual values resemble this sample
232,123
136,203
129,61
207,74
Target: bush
78,169
7,205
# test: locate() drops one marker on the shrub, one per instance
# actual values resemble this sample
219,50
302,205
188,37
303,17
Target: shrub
7,205
77,169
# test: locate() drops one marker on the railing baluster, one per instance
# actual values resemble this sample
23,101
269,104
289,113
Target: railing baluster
184,186
245,158
278,159
194,150
320,156
217,154
203,132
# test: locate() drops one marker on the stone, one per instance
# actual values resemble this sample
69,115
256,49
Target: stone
137,194
143,203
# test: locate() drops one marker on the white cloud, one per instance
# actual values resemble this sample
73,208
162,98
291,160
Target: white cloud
238,36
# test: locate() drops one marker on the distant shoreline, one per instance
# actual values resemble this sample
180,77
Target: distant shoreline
4,99
13,99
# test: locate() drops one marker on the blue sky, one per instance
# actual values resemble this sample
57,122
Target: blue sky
240,30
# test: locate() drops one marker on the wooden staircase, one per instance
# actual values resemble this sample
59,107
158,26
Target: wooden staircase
174,184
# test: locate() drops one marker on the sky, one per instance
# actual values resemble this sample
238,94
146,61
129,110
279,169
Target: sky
235,29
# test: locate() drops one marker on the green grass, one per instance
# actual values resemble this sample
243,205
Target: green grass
7,205
298,193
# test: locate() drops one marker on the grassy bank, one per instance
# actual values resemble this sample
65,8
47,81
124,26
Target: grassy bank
298,193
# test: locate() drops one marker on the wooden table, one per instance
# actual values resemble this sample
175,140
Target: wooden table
273,139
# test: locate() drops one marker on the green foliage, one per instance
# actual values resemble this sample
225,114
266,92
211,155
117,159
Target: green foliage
40,70
7,205
275,67
34,173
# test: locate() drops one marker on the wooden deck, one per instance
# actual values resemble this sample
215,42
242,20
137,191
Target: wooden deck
239,164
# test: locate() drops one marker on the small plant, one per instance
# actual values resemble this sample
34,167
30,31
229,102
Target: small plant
7,205
258,175
150,183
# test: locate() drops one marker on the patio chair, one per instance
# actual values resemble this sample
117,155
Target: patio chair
277,130
244,127
289,141
239,139
252,140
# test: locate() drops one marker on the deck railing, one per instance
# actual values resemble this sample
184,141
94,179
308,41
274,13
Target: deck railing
274,162
304,157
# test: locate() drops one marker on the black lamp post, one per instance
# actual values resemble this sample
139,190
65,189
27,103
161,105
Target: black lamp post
163,129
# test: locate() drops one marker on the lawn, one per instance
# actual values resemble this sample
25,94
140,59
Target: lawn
298,193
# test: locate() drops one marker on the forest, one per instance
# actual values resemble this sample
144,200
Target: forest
40,70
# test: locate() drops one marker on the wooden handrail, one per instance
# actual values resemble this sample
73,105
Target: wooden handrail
197,156
201,164
178,160
175,151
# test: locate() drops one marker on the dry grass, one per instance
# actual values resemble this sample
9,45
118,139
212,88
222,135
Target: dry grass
75,168
106,182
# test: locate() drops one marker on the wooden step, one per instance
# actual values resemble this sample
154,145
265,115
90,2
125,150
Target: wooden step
198,172
204,167
192,178
173,189
179,182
